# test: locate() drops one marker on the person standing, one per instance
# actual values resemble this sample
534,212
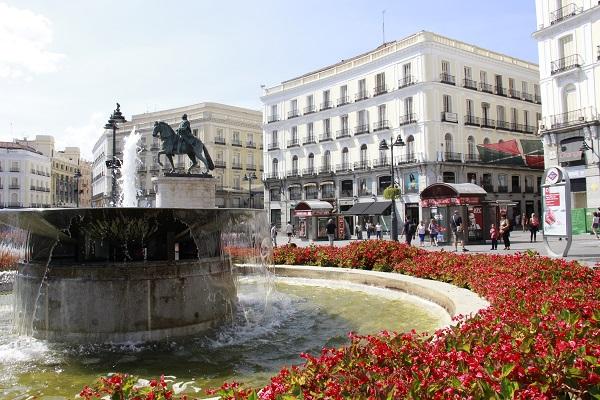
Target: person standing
494,237
274,235
358,231
378,230
368,229
458,231
534,227
433,231
504,231
595,223
289,230
330,227
421,232
407,236
525,222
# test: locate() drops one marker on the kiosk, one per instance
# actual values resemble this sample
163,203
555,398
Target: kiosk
313,216
439,201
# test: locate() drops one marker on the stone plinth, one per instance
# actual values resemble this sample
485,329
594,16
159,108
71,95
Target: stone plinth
185,191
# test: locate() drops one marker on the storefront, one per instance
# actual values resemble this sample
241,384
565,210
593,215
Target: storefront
374,212
312,219
440,200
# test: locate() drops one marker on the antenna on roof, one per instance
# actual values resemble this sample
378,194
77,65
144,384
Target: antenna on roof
383,25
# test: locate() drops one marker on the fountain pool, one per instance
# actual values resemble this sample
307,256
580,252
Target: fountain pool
270,329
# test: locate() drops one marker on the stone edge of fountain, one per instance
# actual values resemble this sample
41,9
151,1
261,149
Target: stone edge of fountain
456,301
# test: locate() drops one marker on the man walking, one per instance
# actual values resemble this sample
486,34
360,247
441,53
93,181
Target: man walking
289,230
274,235
458,230
330,227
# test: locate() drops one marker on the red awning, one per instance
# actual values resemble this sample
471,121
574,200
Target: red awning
510,147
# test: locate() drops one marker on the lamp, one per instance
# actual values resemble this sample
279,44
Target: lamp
114,163
77,176
250,177
384,146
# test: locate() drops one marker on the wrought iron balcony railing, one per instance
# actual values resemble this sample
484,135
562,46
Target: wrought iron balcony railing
447,78
343,101
326,105
293,113
342,133
310,109
379,90
406,81
565,64
361,165
486,87
273,118
309,140
325,137
408,119
564,12
361,95
381,125
293,143
469,84
361,129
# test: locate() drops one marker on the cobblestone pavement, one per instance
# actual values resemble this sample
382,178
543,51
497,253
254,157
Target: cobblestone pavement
585,248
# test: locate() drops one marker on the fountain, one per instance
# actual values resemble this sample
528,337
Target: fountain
128,274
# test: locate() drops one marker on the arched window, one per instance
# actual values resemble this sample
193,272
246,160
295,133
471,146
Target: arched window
295,165
471,147
275,166
363,154
410,148
327,160
311,163
345,159
486,141
448,143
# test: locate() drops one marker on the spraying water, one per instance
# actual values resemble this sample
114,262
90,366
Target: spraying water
128,180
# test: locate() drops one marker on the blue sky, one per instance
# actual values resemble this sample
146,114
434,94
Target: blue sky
63,64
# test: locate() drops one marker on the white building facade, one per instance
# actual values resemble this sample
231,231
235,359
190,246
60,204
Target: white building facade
568,38
443,97
232,135
25,177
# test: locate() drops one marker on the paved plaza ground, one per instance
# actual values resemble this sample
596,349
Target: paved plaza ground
585,247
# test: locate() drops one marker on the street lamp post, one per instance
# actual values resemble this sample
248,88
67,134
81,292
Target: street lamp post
250,177
77,176
384,146
114,163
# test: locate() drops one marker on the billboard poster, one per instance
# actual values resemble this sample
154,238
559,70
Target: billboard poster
411,182
475,222
555,212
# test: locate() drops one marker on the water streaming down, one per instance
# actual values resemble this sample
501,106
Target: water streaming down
128,183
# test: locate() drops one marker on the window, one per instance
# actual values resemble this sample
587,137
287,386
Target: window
310,102
485,112
344,124
311,162
472,177
445,67
536,89
347,188
275,194
483,77
250,159
294,106
274,138
344,93
363,118
311,192
381,113
236,137
274,111
514,117
345,158
447,103
380,83
294,134
220,134
383,156
410,148
502,184
524,87
500,113
295,193
236,182
363,154
327,126
408,107
310,130
467,71
448,177
525,117
327,160
515,181
362,88
382,183
499,81
406,72
471,147
275,166
565,46
511,85
295,165
448,143
569,99
469,108
326,99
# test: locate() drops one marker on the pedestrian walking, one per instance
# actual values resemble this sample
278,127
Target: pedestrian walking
596,223
458,231
534,227
368,229
378,230
421,232
358,231
504,231
433,231
406,231
494,237
330,227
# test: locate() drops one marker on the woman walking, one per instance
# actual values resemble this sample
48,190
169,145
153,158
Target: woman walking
505,231
421,232
596,223
534,227
433,231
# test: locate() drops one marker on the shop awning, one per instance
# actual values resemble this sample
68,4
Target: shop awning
370,208
357,209
446,194
379,208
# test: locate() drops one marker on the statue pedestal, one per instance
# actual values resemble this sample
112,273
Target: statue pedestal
185,191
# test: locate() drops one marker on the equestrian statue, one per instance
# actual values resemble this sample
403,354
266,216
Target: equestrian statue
181,142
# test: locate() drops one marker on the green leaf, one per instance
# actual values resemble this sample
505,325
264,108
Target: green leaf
508,388
455,382
507,369
253,396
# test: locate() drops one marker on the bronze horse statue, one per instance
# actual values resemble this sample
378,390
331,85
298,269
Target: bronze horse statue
174,144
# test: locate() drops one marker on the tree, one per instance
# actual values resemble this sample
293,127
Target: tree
391,193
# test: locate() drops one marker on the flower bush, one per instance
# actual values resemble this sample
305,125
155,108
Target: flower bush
129,387
539,339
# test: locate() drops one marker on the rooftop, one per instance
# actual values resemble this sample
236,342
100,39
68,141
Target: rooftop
17,146
393,47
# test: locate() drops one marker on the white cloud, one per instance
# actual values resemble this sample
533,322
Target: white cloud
24,38
84,136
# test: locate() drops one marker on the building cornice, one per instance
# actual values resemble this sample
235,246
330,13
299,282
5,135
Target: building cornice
565,25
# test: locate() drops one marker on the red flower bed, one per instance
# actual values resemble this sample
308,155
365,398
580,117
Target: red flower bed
540,337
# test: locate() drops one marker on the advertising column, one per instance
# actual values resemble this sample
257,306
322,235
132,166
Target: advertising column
556,202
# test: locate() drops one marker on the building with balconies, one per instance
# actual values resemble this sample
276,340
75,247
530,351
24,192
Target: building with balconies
24,176
232,135
461,111
568,38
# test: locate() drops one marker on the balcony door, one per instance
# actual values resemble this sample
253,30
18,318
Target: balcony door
311,162
566,46
295,165
327,160
570,99
345,158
